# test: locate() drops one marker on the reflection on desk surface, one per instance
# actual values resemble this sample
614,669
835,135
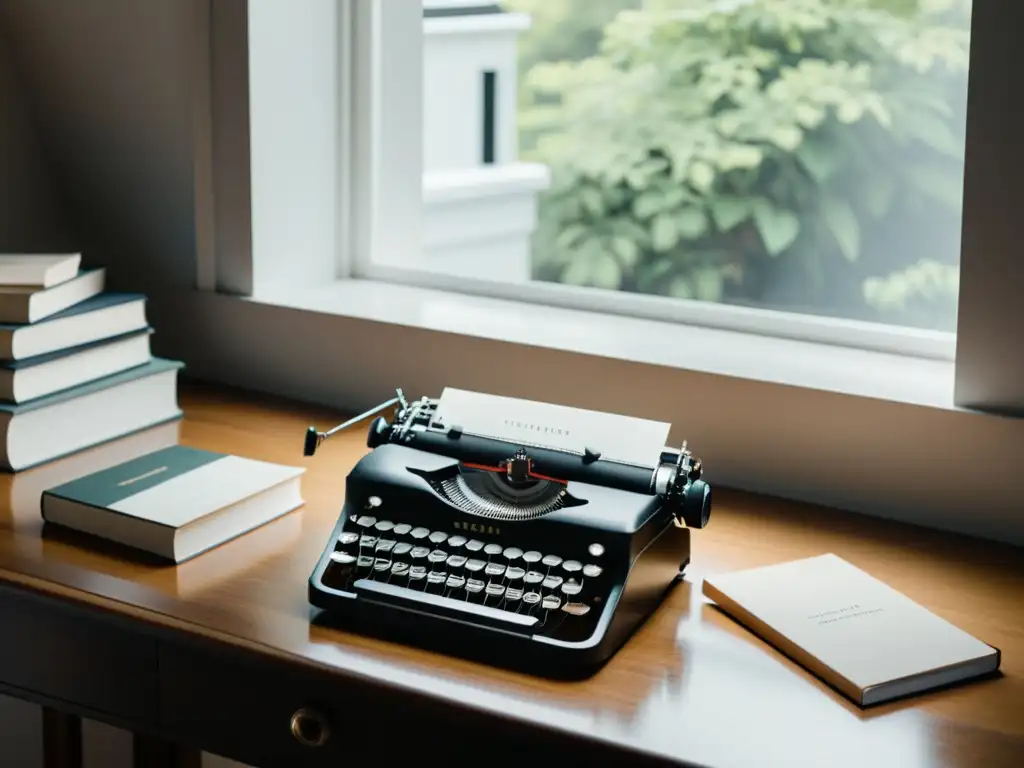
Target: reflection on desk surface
690,684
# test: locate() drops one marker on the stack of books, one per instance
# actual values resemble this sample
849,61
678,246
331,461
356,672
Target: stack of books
76,369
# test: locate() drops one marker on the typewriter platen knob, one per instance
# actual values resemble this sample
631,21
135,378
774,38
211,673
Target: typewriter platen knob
697,504
378,433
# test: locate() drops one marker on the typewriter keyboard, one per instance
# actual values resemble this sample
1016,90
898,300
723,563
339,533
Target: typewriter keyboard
534,591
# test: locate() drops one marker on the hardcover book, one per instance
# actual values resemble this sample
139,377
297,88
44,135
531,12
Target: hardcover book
102,317
856,633
177,502
30,304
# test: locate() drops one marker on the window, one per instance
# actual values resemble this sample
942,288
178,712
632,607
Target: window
800,156
383,257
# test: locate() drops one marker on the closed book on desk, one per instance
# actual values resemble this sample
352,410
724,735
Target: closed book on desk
102,317
30,304
42,270
177,502
25,380
66,422
856,633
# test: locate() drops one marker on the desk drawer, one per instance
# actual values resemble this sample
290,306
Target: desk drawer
61,651
241,706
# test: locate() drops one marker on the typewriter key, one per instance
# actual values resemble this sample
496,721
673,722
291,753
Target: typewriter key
400,569
437,556
576,609
552,582
417,572
493,549
342,557
532,556
402,528
455,582
572,587
420,533
595,550
384,526
456,561
495,590
438,536
348,538
366,521
513,594
385,545
534,577
551,560
364,561
367,541
456,541
494,569
380,564
531,598
436,577
475,565
402,548
514,574
550,602
572,565
474,546
592,571
418,553
474,585
513,553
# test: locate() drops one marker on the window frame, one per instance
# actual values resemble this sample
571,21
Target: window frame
355,354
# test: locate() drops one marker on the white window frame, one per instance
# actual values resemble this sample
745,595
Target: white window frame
847,414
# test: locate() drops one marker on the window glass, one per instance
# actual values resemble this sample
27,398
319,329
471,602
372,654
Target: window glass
802,155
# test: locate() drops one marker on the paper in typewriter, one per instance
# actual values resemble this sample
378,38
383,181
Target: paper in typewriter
621,438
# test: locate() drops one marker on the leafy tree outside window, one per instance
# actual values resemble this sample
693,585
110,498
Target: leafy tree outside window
795,154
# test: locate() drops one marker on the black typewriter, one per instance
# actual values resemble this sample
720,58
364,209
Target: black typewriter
475,529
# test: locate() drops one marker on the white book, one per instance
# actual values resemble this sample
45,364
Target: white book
67,422
30,304
25,380
40,270
178,502
862,637
104,316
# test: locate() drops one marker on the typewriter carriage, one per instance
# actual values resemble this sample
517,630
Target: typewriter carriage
513,471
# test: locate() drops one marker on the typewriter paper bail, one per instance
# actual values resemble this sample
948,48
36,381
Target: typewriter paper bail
619,438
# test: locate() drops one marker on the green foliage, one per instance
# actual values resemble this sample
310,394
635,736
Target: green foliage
918,288
720,150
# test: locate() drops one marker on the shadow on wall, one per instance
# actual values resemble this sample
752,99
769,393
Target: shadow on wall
108,96
32,216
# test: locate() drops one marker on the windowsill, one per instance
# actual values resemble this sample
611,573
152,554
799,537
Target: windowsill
810,365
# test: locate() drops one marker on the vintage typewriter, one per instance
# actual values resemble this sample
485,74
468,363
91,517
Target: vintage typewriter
509,529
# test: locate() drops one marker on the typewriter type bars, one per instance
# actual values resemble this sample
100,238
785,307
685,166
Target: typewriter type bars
441,569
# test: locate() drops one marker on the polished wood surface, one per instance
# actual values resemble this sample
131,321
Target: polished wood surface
691,685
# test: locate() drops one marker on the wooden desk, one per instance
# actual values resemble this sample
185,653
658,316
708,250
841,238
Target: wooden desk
220,652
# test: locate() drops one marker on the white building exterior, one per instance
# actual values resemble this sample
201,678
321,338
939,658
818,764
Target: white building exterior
480,202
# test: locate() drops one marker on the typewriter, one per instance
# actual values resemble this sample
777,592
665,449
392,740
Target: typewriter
506,529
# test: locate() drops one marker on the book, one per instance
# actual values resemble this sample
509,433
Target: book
25,380
865,639
40,270
178,502
101,317
30,304
26,488
66,422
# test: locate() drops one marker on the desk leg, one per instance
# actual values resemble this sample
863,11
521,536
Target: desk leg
156,753
62,740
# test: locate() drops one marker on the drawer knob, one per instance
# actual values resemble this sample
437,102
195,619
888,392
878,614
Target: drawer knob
310,728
